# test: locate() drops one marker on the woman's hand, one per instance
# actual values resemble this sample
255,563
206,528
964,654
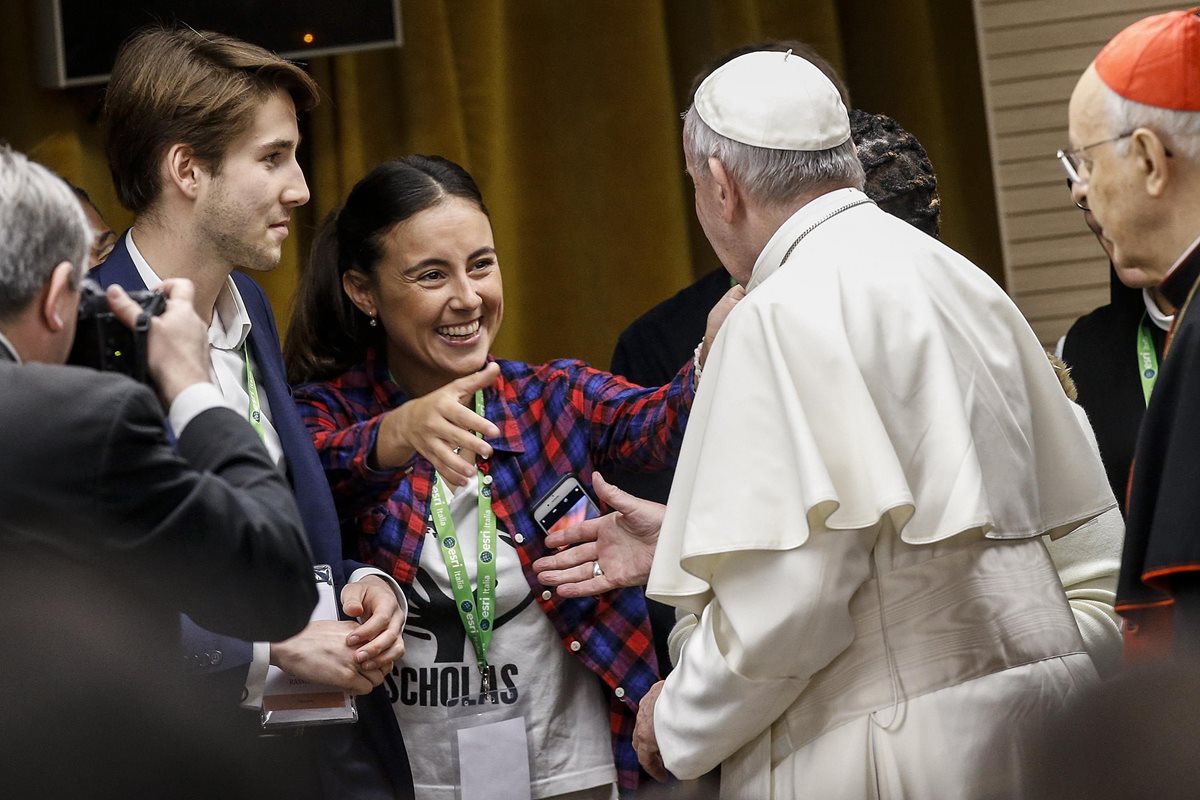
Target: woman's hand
441,428
716,318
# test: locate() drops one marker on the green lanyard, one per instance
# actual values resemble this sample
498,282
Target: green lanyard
476,609
1147,359
254,413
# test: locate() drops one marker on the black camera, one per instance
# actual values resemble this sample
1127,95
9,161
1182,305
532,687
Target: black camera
103,342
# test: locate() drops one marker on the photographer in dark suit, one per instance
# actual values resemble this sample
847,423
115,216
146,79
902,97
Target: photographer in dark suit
107,533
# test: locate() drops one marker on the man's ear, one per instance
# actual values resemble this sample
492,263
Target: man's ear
357,286
59,298
728,192
183,170
1152,160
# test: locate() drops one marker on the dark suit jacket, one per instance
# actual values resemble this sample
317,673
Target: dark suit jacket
349,766
650,352
1101,350
107,533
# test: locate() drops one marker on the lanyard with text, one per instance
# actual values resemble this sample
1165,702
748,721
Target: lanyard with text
476,609
1147,359
254,413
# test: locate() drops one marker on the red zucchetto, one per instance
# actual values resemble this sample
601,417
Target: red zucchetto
1156,61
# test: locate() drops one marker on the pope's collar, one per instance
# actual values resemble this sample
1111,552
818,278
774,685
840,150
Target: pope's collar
771,257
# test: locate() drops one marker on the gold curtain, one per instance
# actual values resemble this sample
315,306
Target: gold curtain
567,114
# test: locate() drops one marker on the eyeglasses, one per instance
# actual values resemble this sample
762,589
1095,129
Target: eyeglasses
1080,204
1073,161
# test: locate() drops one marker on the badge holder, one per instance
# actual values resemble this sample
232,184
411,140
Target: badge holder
289,701
490,744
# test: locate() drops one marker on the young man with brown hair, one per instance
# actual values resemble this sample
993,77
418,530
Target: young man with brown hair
201,142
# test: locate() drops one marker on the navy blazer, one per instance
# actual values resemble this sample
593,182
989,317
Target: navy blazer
207,652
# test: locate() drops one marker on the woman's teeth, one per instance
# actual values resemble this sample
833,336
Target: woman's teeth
459,330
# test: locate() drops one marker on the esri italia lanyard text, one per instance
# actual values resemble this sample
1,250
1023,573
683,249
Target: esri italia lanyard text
1147,359
476,608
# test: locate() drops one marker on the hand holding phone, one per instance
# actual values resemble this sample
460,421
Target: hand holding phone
622,542
567,504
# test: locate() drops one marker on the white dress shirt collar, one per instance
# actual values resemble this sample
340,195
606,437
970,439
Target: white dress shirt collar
227,334
1163,321
230,323
5,344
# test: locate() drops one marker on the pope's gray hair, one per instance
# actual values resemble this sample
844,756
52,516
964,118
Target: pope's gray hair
772,177
1180,130
43,225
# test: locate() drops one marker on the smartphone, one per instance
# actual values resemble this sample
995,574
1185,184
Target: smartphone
565,505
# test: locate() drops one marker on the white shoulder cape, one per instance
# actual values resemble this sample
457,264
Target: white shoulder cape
877,372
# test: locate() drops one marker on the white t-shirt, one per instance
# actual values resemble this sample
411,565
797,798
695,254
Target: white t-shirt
566,714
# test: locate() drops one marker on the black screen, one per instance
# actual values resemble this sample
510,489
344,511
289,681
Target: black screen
92,31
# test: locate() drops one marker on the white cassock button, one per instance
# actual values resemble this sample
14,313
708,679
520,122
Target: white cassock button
519,539
575,646
546,595
619,692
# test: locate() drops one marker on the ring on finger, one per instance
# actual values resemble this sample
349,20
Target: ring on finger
596,570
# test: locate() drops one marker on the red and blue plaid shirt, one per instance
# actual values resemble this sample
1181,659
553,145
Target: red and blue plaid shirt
555,419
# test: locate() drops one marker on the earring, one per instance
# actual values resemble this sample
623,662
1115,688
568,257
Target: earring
373,323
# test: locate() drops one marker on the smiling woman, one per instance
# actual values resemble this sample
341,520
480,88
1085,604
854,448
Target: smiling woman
438,293
437,454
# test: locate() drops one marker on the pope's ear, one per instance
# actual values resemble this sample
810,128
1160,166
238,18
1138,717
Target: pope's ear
728,192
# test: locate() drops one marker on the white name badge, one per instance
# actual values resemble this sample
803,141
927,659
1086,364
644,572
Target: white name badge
493,761
290,701
491,747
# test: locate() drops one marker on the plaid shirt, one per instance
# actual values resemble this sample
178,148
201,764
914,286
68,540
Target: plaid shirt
557,418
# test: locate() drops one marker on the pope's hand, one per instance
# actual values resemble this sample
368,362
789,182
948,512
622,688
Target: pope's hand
622,543
644,740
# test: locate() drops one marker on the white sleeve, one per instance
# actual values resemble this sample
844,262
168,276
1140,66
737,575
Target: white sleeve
1088,561
776,618
685,625
256,676
191,402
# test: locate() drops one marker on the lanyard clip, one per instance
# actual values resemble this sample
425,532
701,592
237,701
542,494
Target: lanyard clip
485,681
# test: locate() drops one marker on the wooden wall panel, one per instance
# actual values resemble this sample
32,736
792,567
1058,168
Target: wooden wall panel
1031,54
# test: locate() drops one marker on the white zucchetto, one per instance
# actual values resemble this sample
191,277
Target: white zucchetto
775,100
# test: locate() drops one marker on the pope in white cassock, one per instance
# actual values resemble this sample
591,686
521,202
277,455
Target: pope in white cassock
876,446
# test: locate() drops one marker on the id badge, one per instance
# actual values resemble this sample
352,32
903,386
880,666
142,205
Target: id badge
491,748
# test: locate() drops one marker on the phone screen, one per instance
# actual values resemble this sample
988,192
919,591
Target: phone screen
571,510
